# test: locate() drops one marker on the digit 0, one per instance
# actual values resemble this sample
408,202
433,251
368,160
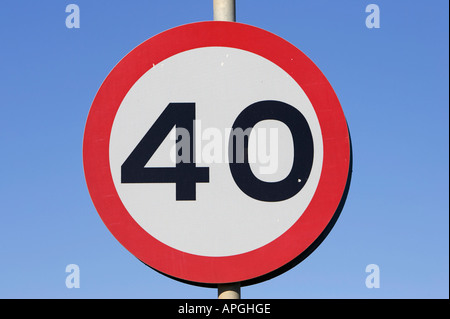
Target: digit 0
303,152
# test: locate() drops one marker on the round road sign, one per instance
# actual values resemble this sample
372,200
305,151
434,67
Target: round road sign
217,152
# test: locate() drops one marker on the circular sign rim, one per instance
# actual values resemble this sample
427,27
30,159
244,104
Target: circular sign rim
253,266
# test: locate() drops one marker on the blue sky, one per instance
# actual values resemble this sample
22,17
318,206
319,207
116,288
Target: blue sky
392,83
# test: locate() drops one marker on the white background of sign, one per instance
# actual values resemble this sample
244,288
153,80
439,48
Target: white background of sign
222,220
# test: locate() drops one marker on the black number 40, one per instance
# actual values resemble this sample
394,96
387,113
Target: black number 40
186,174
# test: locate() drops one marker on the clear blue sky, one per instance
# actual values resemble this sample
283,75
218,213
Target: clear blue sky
392,83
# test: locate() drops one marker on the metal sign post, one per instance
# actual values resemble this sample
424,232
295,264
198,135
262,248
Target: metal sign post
225,10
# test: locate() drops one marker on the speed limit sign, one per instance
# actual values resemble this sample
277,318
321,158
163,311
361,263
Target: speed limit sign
217,152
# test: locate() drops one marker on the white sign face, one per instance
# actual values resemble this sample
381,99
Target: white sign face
217,152
222,82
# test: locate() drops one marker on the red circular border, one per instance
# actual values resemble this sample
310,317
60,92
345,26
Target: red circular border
245,266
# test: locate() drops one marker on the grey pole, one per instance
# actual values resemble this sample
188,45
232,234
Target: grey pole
229,291
225,10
